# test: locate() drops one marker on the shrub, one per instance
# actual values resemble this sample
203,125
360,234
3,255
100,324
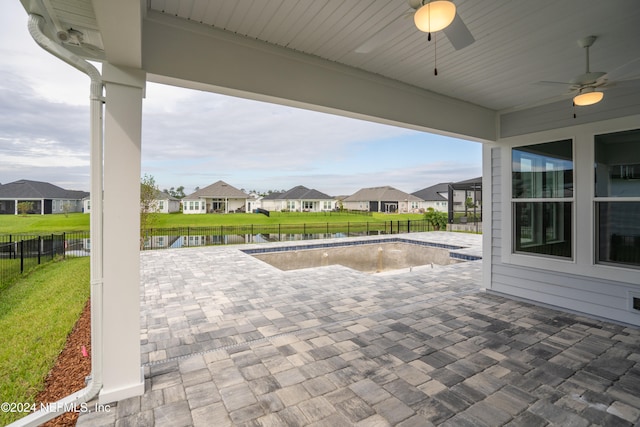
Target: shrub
436,218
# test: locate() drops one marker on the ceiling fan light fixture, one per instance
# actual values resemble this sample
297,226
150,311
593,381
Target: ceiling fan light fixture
435,16
588,96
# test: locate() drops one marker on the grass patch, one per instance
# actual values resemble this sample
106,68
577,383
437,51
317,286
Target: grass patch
37,313
212,220
43,224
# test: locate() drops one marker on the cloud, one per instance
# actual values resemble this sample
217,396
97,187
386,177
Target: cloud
406,179
38,135
245,134
51,79
194,138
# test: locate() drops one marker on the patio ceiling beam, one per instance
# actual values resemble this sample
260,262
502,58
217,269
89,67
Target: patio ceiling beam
189,54
120,24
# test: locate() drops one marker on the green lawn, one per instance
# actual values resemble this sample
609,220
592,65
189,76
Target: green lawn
37,313
41,224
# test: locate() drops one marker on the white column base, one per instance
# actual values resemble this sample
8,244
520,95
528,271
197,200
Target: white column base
121,393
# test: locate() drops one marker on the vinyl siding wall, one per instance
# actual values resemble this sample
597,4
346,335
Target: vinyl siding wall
578,285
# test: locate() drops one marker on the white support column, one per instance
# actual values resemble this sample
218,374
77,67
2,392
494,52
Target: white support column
122,372
487,215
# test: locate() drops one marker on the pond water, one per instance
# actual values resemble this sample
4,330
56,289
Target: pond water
183,241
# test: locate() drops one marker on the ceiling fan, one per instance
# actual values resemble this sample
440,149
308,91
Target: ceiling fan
456,31
586,89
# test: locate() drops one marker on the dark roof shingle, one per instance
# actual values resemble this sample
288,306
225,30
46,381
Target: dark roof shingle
380,193
27,189
433,193
301,192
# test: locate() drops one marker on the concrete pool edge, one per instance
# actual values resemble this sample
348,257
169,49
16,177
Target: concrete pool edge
361,241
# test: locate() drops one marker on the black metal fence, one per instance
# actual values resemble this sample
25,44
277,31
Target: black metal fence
23,252
20,253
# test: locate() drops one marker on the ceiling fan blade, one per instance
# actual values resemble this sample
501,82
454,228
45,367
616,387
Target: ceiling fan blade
632,83
629,70
458,33
394,28
548,83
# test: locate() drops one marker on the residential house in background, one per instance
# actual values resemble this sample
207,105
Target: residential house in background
166,203
218,197
465,201
299,199
435,197
254,202
86,204
45,198
382,199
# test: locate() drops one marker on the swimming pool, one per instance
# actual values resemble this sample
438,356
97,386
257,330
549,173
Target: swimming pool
369,256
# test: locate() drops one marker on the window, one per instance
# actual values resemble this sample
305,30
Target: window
307,205
617,198
218,205
542,199
161,204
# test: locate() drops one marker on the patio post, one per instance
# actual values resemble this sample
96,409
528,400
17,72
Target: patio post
122,373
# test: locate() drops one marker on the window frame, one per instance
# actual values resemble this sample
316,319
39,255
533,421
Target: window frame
597,199
583,263
541,199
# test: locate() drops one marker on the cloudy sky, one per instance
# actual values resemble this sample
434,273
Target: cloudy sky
193,138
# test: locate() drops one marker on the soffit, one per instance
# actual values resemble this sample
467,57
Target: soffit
518,44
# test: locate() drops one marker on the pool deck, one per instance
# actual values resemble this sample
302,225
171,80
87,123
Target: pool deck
228,340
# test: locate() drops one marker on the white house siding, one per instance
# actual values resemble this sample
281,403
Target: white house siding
356,206
579,285
168,206
278,205
254,202
315,205
440,206
272,205
200,206
193,207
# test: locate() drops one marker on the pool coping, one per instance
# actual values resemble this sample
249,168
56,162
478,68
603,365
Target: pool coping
310,246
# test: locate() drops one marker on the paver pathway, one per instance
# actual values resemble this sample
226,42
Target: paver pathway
229,340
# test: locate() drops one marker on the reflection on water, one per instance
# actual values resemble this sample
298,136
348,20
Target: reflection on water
184,241
82,246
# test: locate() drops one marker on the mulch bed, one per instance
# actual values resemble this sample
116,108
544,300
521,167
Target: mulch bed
70,370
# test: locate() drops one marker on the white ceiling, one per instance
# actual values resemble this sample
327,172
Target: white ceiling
518,43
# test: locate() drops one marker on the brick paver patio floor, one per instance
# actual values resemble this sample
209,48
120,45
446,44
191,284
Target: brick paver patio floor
228,340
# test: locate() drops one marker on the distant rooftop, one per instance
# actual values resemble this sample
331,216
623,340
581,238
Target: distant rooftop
27,189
